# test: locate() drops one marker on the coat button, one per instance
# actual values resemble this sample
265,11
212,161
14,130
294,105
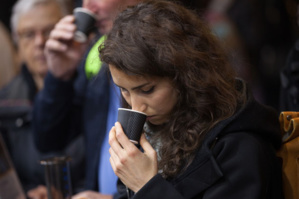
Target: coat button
19,122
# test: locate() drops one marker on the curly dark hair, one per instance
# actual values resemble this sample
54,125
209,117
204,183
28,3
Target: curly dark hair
164,39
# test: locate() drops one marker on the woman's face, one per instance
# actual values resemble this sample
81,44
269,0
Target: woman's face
154,96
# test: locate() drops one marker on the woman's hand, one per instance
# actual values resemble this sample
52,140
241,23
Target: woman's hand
133,167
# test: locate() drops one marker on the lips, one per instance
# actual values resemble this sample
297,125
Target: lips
101,22
149,117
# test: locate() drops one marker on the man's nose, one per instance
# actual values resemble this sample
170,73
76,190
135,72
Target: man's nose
91,5
40,39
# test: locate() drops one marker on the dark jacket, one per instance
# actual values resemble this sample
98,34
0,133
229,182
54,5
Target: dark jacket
80,107
15,125
289,92
236,160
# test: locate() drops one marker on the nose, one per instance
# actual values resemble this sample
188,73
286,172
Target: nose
137,103
40,39
91,5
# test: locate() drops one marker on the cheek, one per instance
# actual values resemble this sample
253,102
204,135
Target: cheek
165,103
113,7
25,52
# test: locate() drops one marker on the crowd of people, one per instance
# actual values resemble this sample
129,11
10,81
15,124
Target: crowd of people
31,23
191,66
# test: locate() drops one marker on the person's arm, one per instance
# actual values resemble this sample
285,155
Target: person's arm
56,114
57,110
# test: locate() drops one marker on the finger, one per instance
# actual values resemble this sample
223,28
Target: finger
59,34
121,136
67,25
117,163
54,45
147,147
64,29
67,19
112,159
113,155
113,142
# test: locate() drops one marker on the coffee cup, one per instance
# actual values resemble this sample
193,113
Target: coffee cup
58,177
85,21
132,123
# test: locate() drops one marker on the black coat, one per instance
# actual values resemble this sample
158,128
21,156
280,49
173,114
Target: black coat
236,160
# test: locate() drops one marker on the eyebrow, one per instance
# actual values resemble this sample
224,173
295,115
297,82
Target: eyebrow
137,87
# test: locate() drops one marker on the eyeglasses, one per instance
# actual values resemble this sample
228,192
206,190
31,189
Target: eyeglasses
31,34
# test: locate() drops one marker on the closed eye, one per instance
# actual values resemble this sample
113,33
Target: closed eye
123,90
148,91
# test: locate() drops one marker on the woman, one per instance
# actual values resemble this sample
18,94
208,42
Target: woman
205,136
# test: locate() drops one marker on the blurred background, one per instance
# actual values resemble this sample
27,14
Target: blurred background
258,35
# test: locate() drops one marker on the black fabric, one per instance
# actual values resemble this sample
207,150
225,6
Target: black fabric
289,76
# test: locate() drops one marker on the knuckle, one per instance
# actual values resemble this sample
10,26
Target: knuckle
153,153
123,160
131,153
118,135
117,168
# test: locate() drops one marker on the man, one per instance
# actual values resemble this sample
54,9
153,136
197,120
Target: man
76,99
32,21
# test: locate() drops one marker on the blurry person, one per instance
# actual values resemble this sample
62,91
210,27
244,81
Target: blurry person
32,21
79,96
205,134
8,57
289,77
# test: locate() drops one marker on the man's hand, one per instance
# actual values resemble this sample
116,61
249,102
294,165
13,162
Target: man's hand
91,195
40,192
63,54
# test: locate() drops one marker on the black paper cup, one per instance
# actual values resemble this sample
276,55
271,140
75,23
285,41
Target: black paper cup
85,21
132,123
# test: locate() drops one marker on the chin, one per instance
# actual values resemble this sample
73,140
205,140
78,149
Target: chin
105,28
155,122
102,29
42,72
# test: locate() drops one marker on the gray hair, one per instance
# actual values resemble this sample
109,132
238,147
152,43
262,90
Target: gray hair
24,6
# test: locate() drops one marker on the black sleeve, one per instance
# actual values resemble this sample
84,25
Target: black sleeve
56,114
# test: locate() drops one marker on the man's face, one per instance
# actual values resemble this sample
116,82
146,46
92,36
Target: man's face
33,30
106,10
